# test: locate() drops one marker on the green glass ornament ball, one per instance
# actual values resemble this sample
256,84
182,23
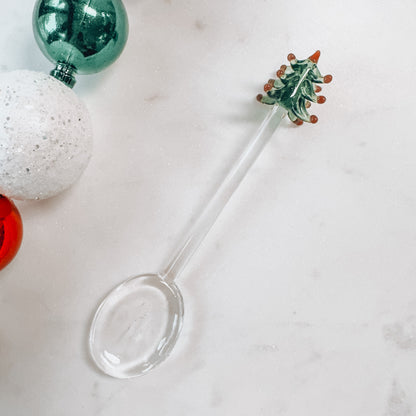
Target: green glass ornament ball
84,36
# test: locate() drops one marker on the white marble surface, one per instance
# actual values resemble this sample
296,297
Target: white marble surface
301,301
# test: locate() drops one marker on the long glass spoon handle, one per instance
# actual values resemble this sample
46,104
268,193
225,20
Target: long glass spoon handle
219,200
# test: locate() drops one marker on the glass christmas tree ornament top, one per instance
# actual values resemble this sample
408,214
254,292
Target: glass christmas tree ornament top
11,231
138,323
80,36
295,88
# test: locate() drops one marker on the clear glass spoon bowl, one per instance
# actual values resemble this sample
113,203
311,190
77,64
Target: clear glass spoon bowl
136,326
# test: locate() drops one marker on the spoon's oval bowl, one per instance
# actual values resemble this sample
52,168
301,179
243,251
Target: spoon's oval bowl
136,326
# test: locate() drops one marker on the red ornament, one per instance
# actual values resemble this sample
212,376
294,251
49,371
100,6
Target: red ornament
11,231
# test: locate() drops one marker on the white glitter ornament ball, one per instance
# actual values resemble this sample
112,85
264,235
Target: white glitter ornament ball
45,135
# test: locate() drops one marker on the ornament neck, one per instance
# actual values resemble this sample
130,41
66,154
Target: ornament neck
65,73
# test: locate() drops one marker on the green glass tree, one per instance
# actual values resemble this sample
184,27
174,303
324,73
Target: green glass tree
295,88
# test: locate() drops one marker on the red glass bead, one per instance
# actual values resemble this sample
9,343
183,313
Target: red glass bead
327,78
11,231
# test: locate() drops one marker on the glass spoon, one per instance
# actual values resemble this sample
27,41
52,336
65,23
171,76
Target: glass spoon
138,323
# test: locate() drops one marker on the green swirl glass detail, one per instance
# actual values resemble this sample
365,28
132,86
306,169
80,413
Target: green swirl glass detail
295,88
80,36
